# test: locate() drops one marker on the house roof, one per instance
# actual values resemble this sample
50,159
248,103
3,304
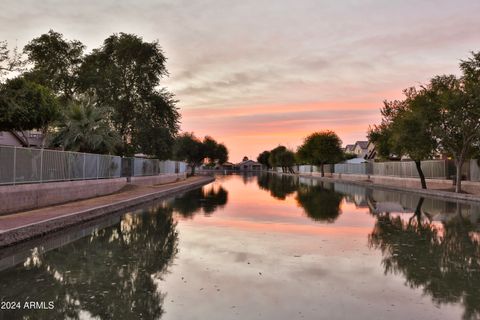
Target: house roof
349,147
362,144
248,162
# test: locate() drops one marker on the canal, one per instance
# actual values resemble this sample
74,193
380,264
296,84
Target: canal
256,247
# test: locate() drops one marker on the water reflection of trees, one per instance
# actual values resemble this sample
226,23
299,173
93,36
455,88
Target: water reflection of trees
443,260
320,202
207,200
111,274
280,186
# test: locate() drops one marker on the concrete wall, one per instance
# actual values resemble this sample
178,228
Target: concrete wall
31,196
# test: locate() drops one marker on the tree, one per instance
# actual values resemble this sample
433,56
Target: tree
9,62
189,148
156,126
215,152
321,148
85,129
406,130
456,105
125,74
221,153
282,157
25,105
263,158
56,63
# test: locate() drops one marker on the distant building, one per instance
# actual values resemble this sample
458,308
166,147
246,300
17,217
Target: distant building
360,149
249,165
17,139
349,148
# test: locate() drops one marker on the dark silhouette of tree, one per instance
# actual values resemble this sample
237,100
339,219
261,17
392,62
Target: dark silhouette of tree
445,265
282,157
110,274
202,199
320,204
263,158
280,186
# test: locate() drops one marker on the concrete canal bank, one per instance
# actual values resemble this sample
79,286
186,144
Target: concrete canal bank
435,189
21,226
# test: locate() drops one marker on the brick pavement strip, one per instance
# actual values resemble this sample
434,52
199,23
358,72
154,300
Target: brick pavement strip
18,227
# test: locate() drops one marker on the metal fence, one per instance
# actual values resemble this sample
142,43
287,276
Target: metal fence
433,169
28,165
354,168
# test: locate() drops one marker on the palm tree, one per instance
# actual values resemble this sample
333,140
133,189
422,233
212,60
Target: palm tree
85,129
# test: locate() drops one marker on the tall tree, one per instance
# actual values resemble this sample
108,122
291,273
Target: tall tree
321,148
56,63
125,74
406,129
456,104
25,105
156,126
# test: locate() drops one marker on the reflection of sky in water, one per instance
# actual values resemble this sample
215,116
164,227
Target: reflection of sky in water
272,248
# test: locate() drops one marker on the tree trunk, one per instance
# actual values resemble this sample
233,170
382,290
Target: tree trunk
192,173
458,177
322,170
420,173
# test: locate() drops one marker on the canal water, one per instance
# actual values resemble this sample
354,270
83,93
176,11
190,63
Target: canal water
256,247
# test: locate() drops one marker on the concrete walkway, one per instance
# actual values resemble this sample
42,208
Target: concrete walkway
21,226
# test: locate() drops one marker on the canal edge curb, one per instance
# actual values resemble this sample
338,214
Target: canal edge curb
33,230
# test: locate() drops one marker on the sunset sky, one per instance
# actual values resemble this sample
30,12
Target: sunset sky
255,74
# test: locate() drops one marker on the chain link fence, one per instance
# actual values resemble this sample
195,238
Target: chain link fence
354,168
28,165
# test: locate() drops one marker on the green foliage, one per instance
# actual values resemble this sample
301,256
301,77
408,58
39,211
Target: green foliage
263,158
84,128
189,148
124,75
25,105
321,148
282,157
156,126
56,62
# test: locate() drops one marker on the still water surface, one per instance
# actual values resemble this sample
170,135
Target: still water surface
266,247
